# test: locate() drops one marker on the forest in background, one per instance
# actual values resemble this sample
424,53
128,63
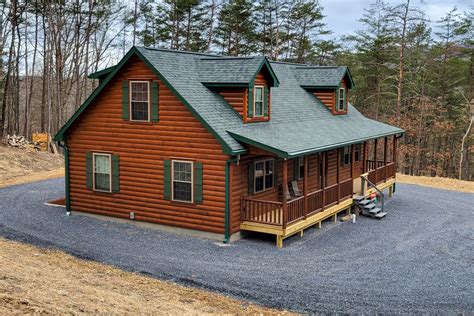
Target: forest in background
409,71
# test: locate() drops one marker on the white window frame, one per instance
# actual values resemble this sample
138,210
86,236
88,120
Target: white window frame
192,180
263,100
349,149
264,174
360,152
343,94
130,99
110,171
300,164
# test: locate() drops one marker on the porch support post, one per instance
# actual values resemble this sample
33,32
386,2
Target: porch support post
394,158
375,152
323,182
285,192
385,152
364,159
353,160
305,186
338,178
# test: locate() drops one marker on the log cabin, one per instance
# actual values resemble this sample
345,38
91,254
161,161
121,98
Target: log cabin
223,145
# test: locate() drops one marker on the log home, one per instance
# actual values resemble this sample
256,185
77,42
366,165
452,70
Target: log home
223,144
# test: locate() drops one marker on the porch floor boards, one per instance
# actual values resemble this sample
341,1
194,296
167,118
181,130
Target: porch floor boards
313,219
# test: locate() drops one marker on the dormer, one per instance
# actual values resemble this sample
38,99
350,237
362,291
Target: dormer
330,85
244,82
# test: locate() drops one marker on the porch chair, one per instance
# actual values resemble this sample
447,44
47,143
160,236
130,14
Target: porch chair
296,190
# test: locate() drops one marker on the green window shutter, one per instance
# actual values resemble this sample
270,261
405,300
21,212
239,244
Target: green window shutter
251,179
198,182
167,180
125,105
154,101
250,102
275,172
89,171
115,174
265,101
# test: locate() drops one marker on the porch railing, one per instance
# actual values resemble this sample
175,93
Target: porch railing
267,212
381,172
271,212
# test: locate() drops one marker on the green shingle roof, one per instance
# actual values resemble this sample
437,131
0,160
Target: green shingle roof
228,70
321,76
299,124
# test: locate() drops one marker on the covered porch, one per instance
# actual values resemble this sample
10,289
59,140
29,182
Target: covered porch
330,179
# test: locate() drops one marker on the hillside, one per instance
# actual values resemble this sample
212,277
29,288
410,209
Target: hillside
22,165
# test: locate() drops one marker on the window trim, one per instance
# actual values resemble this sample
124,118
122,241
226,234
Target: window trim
300,176
264,174
343,109
130,100
360,152
263,101
344,156
192,180
93,171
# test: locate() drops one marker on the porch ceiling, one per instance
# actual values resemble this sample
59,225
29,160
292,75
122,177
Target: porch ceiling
295,139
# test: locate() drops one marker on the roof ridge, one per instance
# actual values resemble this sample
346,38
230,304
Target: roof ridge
179,51
232,57
320,67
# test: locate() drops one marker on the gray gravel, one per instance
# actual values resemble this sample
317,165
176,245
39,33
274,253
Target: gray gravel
418,259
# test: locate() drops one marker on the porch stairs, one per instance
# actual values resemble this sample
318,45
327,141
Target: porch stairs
369,207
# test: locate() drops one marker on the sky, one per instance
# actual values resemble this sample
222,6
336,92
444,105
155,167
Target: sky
342,15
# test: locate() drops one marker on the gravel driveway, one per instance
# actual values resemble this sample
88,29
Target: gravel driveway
418,259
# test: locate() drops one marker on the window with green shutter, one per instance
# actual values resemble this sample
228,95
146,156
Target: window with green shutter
250,102
167,179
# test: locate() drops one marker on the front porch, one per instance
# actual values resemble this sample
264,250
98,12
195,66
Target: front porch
287,216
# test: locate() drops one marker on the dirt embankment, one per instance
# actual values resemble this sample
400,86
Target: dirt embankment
436,182
39,281
23,165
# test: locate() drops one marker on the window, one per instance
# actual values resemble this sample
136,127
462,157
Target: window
346,157
263,175
341,104
182,181
102,174
139,101
357,154
300,168
258,101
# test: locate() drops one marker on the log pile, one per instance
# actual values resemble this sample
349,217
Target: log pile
41,142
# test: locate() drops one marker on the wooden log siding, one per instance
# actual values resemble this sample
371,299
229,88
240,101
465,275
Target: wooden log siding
142,148
327,97
235,97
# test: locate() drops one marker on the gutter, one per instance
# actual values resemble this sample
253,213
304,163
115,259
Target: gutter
227,198
63,145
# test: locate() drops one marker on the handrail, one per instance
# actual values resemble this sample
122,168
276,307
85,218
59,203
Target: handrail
262,201
377,189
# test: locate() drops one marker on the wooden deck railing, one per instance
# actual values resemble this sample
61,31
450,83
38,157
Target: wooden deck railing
271,212
267,212
382,172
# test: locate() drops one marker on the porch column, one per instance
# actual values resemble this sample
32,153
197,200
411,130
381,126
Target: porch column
285,192
353,160
323,182
337,174
375,152
305,186
394,158
364,158
385,152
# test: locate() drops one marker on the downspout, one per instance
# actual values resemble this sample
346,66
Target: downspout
63,145
227,198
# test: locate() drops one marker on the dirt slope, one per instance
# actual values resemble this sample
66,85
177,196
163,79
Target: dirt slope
39,281
22,165
436,182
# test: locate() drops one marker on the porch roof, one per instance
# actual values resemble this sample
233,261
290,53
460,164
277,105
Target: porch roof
298,138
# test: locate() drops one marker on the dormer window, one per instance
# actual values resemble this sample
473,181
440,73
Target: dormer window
258,101
341,102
